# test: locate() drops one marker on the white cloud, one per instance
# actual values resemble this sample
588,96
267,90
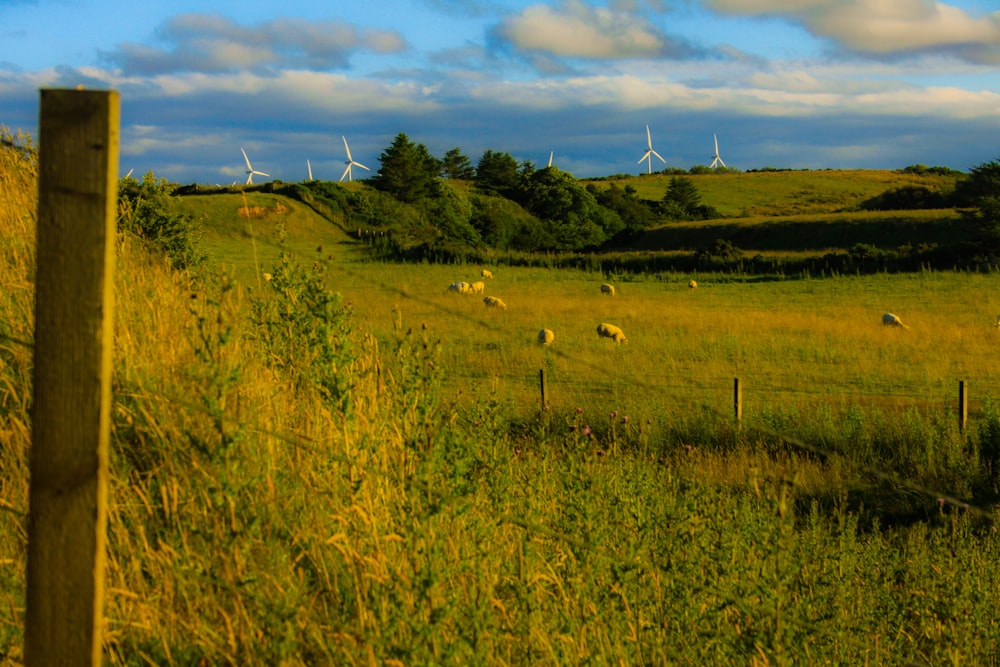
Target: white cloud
885,27
212,43
577,30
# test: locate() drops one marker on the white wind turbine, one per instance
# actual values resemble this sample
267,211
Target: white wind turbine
717,160
648,155
350,163
250,170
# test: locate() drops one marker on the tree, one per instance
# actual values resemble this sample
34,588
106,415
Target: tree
979,194
682,201
634,212
458,166
497,173
578,220
408,172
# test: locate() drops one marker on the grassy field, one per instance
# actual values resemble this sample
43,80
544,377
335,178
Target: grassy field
781,193
302,478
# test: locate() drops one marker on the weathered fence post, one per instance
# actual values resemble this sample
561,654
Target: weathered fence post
77,200
737,401
963,406
544,387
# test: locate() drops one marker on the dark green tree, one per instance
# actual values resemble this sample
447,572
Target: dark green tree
979,196
408,172
682,201
497,173
578,220
457,165
634,212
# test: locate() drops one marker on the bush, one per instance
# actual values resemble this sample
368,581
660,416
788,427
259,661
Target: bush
145,210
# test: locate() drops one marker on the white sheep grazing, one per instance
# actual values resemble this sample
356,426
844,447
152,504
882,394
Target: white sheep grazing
891,320
486,273
477,287
268,277
494,302
546,336
997,323
611,331
607,288
460,287
693,284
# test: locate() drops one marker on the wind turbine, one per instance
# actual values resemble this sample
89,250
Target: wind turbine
350,163
250,170
551,153
648,155
718,160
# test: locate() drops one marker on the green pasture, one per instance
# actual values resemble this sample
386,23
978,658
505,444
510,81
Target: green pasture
781,193
299,478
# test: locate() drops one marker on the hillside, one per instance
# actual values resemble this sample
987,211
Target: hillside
241,230
782,193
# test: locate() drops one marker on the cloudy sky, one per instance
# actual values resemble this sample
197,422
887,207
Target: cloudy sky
783,83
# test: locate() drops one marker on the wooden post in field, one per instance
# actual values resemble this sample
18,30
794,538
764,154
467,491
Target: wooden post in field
544,387
963,406
77,201
737,401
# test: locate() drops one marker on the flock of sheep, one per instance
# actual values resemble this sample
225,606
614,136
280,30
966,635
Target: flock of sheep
604,330
545,336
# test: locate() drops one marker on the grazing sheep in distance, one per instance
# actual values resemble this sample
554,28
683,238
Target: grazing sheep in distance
546,336
610,331
997,323
460,287
607,288
693,284
485,273
477,287
494,302
891,320
267,277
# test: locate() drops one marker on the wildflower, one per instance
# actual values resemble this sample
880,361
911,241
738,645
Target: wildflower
624,419
579,411
586,430
614,415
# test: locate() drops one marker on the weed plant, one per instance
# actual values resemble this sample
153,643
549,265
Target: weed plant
296,481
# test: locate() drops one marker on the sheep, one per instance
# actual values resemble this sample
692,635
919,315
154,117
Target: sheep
608,289
546,336
891,320
477,287
693,284
494,302
460,287
485,273
267,277
611,331
997,323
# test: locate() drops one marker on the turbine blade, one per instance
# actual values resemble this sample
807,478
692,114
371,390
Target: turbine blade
649,138
358,164
260,173
657,155
246,158
346,173
346,147
249,178
716,144
310,167
551,153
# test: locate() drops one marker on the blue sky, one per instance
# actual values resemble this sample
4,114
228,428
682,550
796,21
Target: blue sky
815,84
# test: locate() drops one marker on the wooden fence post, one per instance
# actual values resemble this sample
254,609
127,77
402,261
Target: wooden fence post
77,202
737,401
963,406
544,387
